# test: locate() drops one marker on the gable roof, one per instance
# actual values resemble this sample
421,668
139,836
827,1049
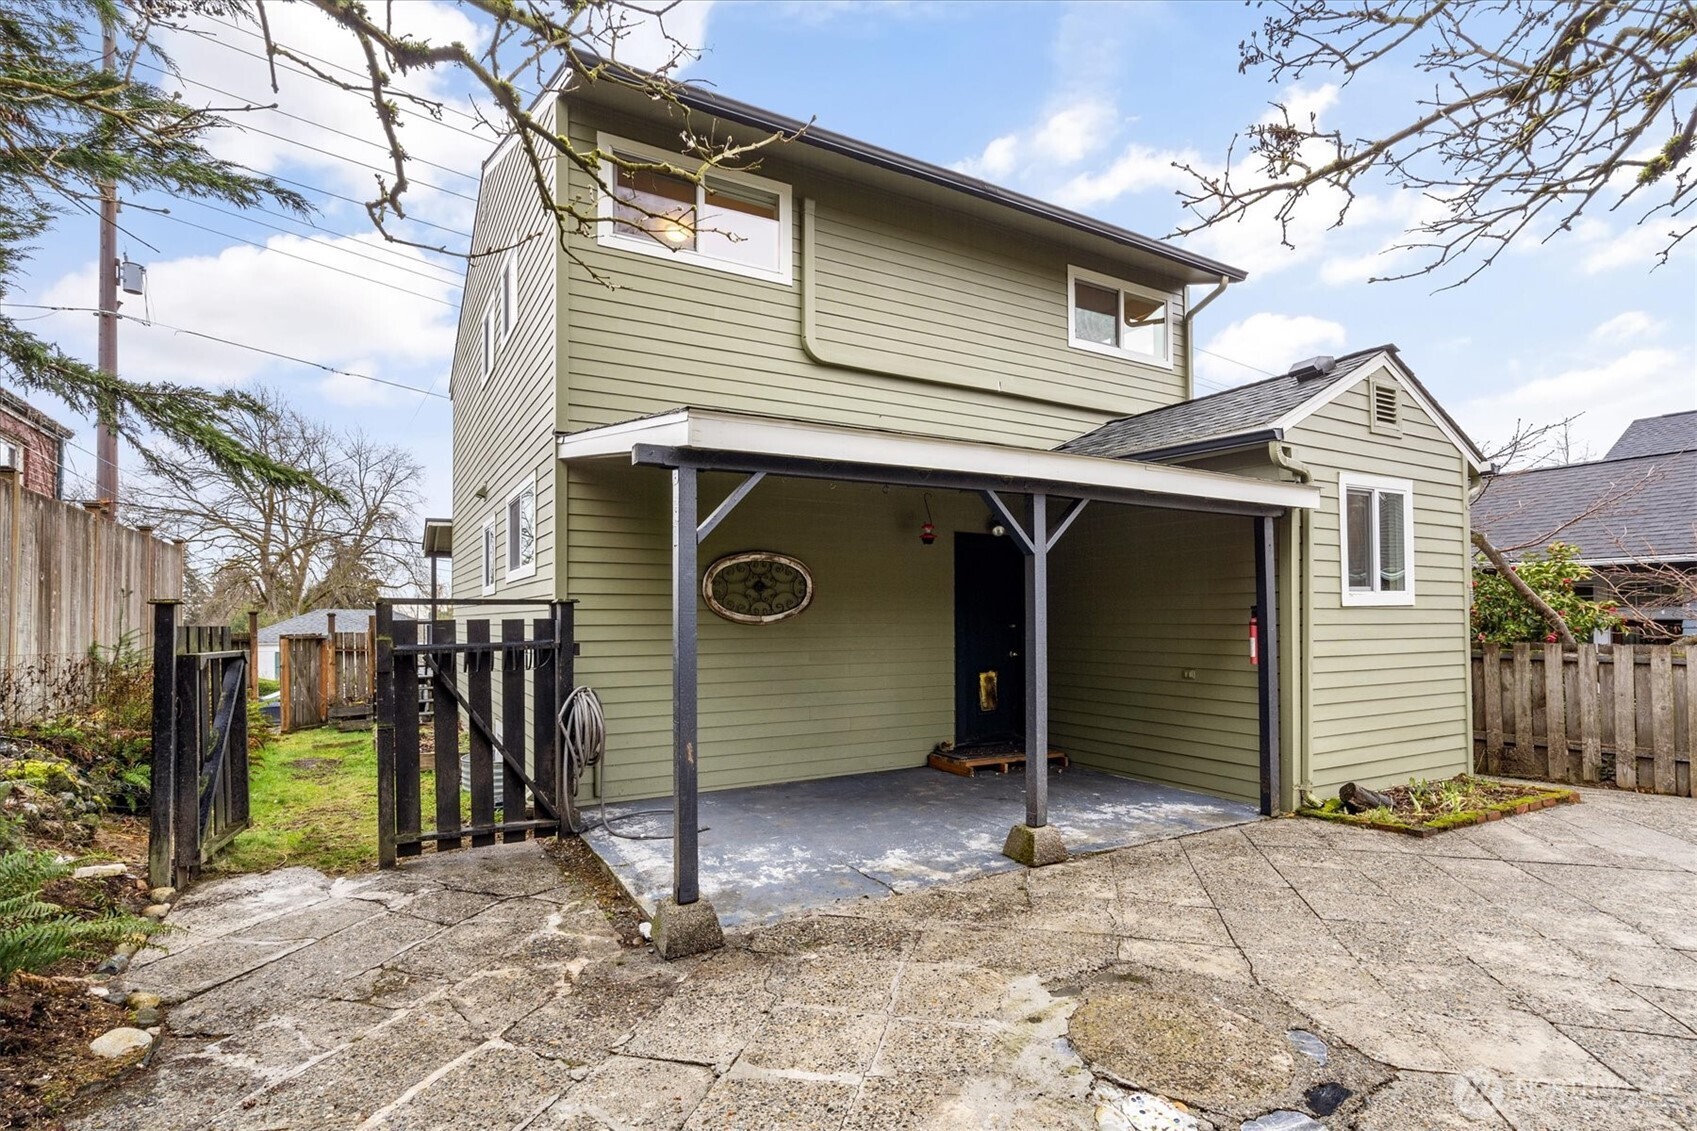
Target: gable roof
1261,410
315,623
619,77
1657,435
1645,509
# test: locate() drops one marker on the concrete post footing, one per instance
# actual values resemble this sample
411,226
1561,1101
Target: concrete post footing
1035,847
683,929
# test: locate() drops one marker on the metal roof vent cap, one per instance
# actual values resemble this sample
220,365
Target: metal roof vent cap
1312,367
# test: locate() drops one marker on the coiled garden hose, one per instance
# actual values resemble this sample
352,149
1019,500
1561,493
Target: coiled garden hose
583,735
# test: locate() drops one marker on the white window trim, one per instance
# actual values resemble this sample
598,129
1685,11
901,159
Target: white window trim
1379,597
515,573
509,293
1108,282
486,344
490,549
607,233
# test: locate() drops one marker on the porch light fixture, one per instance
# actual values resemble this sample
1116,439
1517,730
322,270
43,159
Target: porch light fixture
997,528
928,528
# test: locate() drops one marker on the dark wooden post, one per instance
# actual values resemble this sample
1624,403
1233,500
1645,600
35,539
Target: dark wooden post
513,806
387,703
404,737
253,653
327,685
285,686
185,783
686,863
163,755
446,719
1037,666
564,615
1267,672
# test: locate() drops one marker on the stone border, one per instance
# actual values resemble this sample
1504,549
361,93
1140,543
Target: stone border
1544,799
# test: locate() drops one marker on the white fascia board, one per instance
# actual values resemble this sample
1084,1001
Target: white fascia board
770,436
1360,373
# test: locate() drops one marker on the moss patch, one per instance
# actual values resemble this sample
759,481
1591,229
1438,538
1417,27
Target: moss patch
1425,808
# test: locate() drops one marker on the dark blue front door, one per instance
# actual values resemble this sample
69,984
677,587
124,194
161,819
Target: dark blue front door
989,640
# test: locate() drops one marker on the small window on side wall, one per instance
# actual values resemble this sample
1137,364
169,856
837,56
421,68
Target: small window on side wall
1124,319
521,532
1376,525
488,580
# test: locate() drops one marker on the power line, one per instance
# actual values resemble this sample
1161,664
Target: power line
1235,361
314,262
353,161
308,121
352,200
408,264
239,345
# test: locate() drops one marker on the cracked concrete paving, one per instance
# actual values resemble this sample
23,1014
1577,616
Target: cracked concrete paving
1536,974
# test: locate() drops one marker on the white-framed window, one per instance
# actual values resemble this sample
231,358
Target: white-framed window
488,557
732,221
1376,522
521,531
11,454
1111,316
506,297
487,357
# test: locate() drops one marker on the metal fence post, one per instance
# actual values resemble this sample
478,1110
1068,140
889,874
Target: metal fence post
162,758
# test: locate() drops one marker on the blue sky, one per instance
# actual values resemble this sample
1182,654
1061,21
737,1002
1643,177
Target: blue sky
1084,104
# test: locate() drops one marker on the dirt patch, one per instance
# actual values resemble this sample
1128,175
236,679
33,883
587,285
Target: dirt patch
579,861
45,1065
315,765
1424,808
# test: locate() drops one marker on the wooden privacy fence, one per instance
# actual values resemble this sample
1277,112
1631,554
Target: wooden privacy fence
319,675
1605,713
199,772
70,580
530,668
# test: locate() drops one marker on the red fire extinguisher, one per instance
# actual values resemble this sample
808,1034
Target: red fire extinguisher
1254,637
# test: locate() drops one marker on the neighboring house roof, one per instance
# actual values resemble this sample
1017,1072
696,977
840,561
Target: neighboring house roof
315,623
1257,411
1645,509
28,413
808,134
1657,435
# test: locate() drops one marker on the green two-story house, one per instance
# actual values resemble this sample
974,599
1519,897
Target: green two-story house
849,456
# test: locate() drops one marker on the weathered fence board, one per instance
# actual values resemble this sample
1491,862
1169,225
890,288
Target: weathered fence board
71,580
1619,713
301,682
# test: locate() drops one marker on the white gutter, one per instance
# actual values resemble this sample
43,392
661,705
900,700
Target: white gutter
1190,314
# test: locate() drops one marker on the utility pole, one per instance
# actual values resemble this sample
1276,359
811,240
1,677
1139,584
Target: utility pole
106,440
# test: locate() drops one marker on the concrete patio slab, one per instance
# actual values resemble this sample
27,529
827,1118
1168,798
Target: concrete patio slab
772,851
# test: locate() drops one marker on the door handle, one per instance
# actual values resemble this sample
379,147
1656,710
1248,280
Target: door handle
1013,655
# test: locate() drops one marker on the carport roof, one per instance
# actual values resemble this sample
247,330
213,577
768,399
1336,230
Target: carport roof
710,439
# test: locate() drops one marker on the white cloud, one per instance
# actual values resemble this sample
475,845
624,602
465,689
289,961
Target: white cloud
1605,397
1265,341
266,298
1628,326
1063,138
1637,245
1137,169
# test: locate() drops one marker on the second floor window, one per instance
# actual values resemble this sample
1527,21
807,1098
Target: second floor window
488,578
731,221
1109,316
521,532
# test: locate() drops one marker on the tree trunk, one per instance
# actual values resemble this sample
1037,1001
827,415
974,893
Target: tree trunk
1553,618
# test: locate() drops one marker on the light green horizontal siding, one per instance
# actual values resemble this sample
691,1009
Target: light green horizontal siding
1137,597
860,681
1388,687
911,282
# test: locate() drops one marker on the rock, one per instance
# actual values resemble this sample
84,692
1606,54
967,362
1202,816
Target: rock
1035,848
156,910
145,1016
139,999
162,895
1140,1111
97,871
119,1042
1323,1099
115,964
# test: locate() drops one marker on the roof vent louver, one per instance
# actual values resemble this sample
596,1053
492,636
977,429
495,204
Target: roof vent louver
1312,367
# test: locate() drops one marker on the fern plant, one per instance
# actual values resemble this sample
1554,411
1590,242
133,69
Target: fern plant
35,932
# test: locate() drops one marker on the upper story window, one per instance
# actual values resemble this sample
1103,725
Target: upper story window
488,579
732,221
11,455
521,532
505,298
1377,524
1120,318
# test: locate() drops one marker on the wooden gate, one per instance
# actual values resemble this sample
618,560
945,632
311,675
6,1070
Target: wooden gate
199,771
301,680
529,668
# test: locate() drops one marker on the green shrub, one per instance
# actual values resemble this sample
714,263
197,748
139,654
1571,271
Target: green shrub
268,686
35,933
1502,616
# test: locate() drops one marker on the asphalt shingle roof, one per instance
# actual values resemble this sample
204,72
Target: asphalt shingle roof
1648,511
315,624
1657,435
1228,413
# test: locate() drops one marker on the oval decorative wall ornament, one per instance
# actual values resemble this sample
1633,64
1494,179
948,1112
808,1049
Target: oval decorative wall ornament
757,587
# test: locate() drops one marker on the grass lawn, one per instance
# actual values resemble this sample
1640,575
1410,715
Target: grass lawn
313,802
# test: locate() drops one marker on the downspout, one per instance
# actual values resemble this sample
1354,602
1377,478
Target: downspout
1190,339
1283,456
